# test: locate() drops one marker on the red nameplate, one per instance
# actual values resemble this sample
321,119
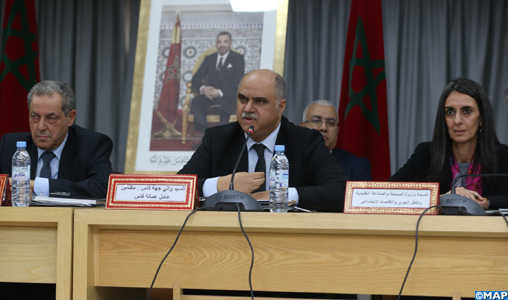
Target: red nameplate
143,191
4,183
371,197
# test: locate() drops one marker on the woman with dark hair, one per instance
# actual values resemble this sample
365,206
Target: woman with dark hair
464,142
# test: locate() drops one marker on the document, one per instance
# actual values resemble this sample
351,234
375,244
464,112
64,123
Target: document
57,201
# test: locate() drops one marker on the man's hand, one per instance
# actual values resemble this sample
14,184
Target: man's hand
484,202
210,92
244,182
214,93
32,182
207,90
261,195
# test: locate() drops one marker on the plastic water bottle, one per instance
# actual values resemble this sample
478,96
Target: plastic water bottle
21,176
279,181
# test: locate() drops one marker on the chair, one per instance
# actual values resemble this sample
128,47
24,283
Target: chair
212,116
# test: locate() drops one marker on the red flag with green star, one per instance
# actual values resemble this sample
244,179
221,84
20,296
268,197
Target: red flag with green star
170,94
19,64
363,116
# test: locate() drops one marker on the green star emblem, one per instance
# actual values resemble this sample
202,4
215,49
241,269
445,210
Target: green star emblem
19,8
372,82
172,72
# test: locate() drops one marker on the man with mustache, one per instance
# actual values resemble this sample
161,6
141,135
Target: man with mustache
64,157
216,82
316,181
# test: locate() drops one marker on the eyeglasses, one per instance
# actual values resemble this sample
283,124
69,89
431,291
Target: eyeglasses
316,122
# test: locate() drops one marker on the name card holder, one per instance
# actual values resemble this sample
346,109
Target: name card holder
152,192
4,183
410,198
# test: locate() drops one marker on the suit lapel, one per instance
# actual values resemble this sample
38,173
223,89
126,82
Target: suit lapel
237,144
228,60
282,138
68,154
214,60
243,166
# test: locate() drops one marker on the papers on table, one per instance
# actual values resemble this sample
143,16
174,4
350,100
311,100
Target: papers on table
54,201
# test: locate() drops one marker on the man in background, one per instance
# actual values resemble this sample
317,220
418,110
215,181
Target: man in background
322,116
64,157
217,81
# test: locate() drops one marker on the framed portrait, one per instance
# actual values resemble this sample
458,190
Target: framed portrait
190,57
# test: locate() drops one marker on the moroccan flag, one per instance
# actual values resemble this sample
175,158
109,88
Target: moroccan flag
19,64
170,94
363,117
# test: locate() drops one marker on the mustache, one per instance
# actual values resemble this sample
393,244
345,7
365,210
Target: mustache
246,115
44,134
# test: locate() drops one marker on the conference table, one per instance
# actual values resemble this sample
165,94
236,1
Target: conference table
36,246
120,250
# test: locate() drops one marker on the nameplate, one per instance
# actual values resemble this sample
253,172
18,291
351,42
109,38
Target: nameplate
4,179
373,197
152,192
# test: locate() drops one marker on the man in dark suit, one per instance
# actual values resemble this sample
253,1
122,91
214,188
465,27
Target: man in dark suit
322,115
316,181
77,159
217,81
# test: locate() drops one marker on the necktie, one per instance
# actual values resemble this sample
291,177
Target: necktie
261,165
46,168
221,63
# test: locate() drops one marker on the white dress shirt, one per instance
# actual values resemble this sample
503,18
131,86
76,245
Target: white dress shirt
210,185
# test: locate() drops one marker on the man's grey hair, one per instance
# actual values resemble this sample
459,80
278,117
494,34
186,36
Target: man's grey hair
49,87
319,102
280,87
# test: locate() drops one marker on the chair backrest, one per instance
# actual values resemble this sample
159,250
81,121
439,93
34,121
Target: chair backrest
201,58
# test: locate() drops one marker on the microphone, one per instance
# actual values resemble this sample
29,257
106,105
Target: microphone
249,132
228,199
453,204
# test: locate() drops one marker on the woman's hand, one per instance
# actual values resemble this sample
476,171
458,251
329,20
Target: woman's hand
484,202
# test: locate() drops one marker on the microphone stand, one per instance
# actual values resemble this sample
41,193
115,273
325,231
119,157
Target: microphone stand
249,132
228,199
454,183
453,204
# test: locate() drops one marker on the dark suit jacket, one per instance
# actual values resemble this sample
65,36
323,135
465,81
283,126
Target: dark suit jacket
356,168
226,80
314,173
84,165
416,169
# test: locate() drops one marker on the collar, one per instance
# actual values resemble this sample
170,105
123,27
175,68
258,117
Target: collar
269,142
225,56
57,151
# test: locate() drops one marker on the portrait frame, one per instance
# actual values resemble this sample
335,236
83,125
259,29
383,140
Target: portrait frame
143,51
